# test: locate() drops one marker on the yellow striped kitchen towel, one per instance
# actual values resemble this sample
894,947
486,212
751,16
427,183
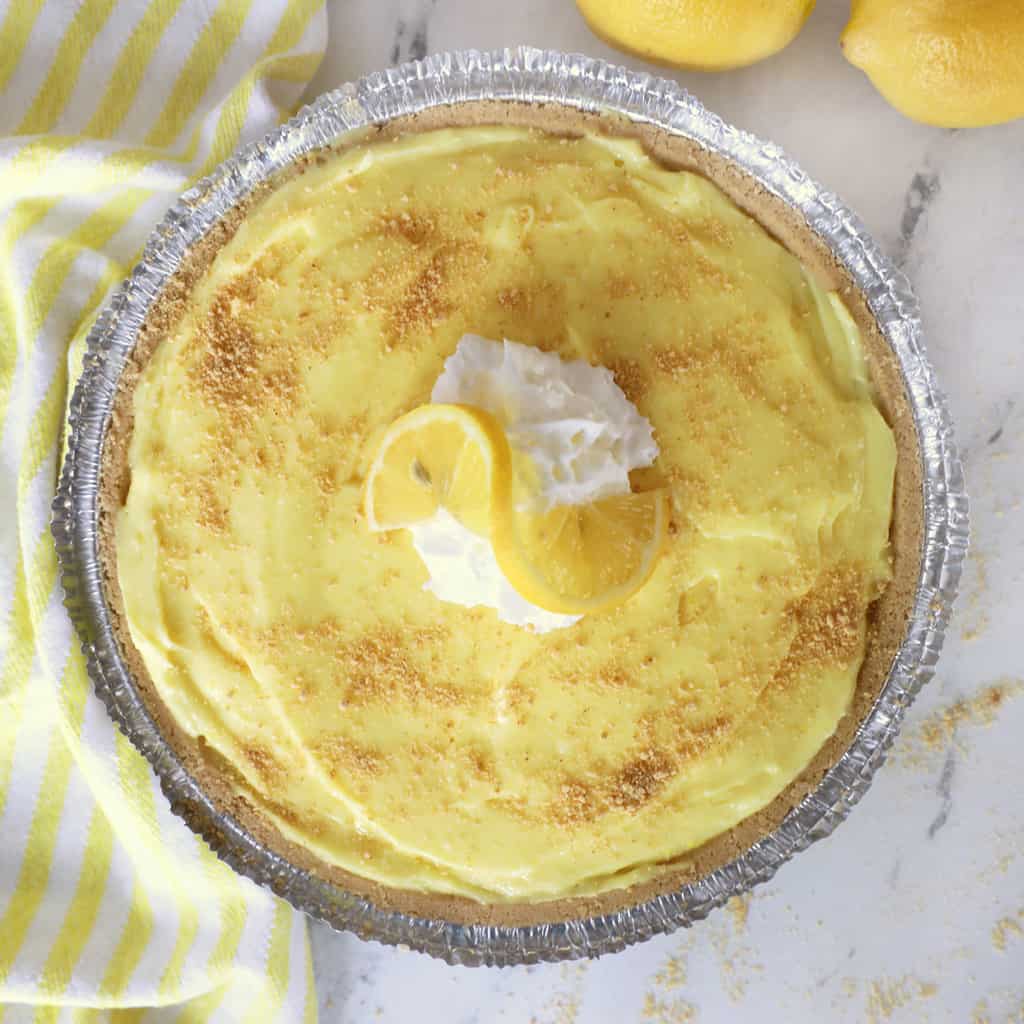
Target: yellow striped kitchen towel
110,908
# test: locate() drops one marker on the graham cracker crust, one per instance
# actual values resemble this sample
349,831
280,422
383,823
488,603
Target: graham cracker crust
887,616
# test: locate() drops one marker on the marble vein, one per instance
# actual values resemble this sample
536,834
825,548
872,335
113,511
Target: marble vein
945,790
411,34
923,188
998,432
893,877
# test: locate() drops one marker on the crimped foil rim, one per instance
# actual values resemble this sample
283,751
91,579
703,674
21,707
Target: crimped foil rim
529,75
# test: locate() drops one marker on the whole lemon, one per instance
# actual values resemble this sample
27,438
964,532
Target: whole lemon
706,35
952,63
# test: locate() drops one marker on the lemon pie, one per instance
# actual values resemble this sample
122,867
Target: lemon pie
542,354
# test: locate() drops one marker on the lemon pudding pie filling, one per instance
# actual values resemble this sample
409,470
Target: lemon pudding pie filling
495,516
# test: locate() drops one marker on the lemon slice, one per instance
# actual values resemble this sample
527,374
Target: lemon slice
450,456
571,559
577,559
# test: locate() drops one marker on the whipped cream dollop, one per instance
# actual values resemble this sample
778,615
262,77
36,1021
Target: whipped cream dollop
581,432
579,429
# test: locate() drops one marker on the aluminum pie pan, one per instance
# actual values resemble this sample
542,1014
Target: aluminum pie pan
531,75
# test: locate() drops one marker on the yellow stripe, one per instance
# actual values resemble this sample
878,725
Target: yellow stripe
51,166
34,873
74,692
234,911
131,67
14,671
33,157
292,26
85,906
25,216
42,432
199,1010
30,603
188,928
230,122
278,957
93,233
14,676
135,935
233,917
137,787
42,837
296,67
48,419
46,1015
216,38
13,697
28,588
47,282
22,219
19,326
99,844
114,273
63,75
233,113
17,27
134,938
289,31
40,577
72,364
309,1015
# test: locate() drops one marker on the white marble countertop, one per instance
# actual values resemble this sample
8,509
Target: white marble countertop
914,909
